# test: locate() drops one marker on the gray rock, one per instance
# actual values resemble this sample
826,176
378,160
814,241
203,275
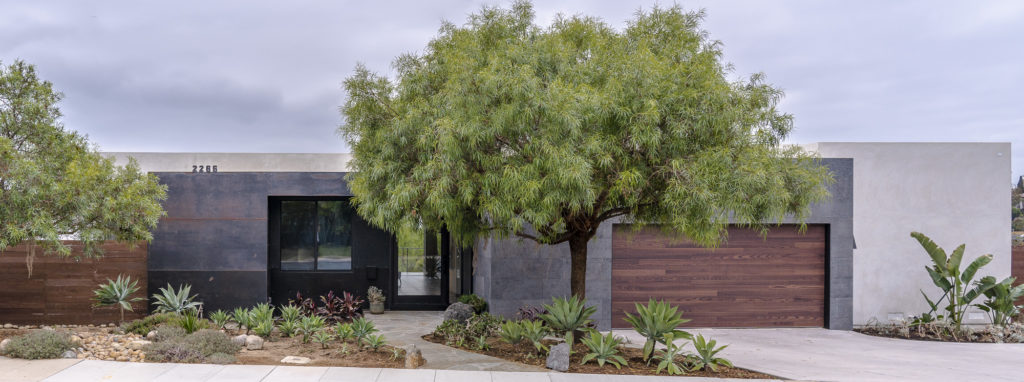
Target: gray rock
558,358
253,343
138,344
9,326
69,354
459,312
295,359
238,340
152,335
3,345
413,357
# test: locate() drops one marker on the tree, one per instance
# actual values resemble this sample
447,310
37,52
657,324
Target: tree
505,128
54,185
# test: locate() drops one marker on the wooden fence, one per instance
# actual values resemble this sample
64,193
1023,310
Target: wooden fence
1017,269
60,290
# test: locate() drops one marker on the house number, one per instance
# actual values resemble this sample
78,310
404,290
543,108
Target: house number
203,168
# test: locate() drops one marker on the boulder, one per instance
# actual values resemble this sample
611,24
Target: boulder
558,357
459,312
151,335
238,340
295,360
3,345
413,357
253,343
69,354
138,344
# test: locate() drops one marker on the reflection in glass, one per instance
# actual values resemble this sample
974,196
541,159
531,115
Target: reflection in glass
335,235
419,262
297,235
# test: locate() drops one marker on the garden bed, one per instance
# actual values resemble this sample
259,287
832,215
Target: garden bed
1010,333
635,364
338,354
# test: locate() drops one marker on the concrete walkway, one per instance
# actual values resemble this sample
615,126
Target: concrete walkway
834,355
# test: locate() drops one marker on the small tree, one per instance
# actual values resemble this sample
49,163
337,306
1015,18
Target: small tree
54,185
504,127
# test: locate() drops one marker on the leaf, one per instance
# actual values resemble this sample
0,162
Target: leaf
968,273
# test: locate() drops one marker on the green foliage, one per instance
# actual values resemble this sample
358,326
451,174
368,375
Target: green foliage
511,332
220,318
261,313
501,124
478,303
117,293
174,301
221,359
566,316
200,346
243,318
55,184
667,357
374,341
323,338
481,343
39,344
190,321
706,355
362,328
397,353
655,320
290,313
264,328
288,328
478,325
1001,301
956,284
210,342
1018,224
602,349
309,325
535,331
172,351
375,294
146,324
169,331
344,331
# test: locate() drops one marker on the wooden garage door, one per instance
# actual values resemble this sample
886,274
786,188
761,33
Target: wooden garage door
749,281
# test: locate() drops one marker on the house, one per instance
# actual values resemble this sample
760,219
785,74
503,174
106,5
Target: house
245,228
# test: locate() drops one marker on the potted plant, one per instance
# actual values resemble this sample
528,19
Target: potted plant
376,297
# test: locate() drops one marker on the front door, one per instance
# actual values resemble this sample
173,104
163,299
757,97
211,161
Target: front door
421,272
318,245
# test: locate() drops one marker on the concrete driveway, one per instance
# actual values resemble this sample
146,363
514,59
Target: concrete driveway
833,355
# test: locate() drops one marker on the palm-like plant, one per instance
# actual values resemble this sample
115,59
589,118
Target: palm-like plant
170,300
534,331
243,318
655,320
362,328
603,349
566,316
667,357
706,355
1001,303
954,283
117,292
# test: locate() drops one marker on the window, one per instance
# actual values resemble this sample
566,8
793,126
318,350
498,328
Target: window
316,235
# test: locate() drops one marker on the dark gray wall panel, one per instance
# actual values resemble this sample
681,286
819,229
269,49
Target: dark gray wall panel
216,289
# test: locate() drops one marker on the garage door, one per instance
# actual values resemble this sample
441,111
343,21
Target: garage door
749,281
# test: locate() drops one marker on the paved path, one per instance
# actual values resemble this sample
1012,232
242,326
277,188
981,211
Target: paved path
835,355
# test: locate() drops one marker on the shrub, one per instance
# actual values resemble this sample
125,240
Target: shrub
335,309
344,331
511,332
654,321
309,325
195,347
39,344
374,294
220,318
169,331
221,359
1001,301
667,357
290,313
306,305
478,303
602,349
209,342
265,328
288,328
946,274
374,341
190,321
478,325
362,328
242,317
323,338
261,313
481,343
146,324
565,316
529,313
117,293
174,301
535,331
172,351
705,357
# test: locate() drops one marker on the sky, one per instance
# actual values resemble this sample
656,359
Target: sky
265,76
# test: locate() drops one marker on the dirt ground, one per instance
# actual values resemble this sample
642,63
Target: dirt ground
337,354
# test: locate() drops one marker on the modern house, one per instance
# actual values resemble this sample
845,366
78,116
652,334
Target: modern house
245,228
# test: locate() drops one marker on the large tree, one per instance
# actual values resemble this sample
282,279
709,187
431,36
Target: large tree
503,127
55,186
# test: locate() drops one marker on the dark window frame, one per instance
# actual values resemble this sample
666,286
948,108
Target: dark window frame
277,202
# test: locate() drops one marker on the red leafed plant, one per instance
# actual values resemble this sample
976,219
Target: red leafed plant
335,309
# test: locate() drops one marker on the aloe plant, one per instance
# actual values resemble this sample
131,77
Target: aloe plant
655,320
958,286
566,316
602,349
534,331
511,332
667,357
706,357
1001,303
117,292
220,318
170,300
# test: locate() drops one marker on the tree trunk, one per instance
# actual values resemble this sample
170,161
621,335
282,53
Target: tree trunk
578,273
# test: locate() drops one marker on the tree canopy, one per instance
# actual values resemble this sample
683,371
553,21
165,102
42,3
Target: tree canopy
504,127
54,185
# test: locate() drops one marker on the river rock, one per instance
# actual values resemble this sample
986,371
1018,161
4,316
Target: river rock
253,343
151,335
413,357
69,354
459,312
558,358
3,345
138,344
239,339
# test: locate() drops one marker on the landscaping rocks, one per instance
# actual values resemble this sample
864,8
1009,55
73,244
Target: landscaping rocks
459,312
9,326
239,340
558,358
295,360
151,335
413,357
3,345
253,343
69,354
109,347
138,344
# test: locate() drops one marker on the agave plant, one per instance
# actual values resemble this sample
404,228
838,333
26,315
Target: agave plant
566,316
511,332
263,328
535,331
655,320
362,328
288,328
344,331
170,300
242,317
220,318
117,292
706,355
956,284
602,349
191,320
667,357
290,313
262,312
1001,303
323,338
374,341
309,325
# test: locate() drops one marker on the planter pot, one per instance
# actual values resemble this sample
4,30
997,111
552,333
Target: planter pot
376,307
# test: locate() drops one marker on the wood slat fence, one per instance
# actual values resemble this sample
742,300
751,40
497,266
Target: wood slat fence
60,290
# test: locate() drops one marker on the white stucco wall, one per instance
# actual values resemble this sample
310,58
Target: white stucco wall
953,192
236,162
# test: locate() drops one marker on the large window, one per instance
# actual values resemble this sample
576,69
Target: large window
316,235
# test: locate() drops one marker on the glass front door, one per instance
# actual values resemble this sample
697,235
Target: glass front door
421,261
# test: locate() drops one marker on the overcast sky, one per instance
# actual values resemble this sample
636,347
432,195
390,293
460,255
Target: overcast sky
262,76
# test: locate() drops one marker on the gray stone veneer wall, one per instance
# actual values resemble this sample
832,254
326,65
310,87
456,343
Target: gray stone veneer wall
510,273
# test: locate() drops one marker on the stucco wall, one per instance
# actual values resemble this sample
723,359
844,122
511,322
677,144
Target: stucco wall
953,192
235,162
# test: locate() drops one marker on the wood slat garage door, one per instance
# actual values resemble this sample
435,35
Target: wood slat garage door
749,281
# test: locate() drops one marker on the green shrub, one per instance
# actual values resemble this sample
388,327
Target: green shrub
667,357
190,321
362,328
954,283
478,325
602,349
242,317
172,351
706,355
478,303
290,313
169,331
170,300
511,332
374,341
344,331
220,318
209,342
323,338
196,347
146,324
535,331
261,313
309,325
264,328
221,359
565,316
654,321
39,344
1001,301
288,328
